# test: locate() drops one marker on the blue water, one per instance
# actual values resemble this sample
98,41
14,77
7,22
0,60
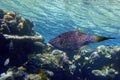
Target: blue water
52,17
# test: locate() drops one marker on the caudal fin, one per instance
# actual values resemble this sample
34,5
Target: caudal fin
100,38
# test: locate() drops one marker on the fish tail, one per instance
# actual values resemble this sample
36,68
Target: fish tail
101,38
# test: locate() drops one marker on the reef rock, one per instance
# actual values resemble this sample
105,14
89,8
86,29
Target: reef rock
55,65
17,39
12,23
49,61
101,63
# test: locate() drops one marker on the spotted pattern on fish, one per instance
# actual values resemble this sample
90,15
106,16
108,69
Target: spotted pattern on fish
74,40
71,40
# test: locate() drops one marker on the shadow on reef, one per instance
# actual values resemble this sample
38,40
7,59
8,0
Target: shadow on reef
25,56
4,49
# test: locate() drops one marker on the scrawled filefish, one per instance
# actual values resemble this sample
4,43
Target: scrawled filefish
74,40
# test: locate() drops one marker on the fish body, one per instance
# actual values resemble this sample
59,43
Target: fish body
74,40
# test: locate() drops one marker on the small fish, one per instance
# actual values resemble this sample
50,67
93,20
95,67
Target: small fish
74,40
6,62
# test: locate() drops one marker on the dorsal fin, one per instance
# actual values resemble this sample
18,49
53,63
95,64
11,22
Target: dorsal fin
77,30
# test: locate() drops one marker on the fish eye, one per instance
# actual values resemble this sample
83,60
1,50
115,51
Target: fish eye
59,36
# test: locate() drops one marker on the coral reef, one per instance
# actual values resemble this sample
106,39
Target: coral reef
55,65
105,72
47,61
17,39
12,23
98,64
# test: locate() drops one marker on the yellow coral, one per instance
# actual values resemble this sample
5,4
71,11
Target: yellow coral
43,75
